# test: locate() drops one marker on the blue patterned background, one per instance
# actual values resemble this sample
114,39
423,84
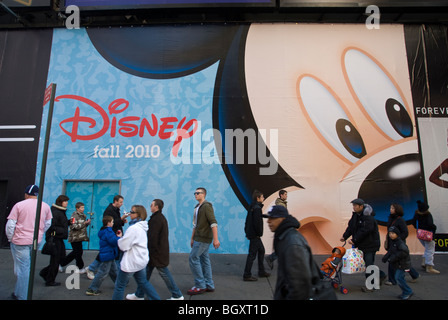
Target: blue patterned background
78,69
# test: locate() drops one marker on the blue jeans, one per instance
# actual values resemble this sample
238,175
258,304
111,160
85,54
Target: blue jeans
22,262
104,269
200,265
94,265
139,276
391,273
399,277
167,278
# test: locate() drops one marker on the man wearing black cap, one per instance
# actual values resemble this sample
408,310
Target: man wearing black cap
20,232
363,229
296,271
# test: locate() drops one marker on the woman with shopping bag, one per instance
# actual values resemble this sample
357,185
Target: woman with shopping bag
363,230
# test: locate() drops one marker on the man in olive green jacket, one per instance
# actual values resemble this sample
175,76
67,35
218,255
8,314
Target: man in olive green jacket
205,231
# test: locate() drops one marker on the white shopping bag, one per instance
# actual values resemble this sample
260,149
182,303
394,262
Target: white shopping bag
353,261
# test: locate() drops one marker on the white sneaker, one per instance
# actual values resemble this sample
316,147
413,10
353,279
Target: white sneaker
61,269
82,271
90,274
180,298
132,296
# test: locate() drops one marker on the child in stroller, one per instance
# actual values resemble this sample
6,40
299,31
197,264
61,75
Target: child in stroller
331,268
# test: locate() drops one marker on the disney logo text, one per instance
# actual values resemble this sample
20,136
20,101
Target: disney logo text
129,126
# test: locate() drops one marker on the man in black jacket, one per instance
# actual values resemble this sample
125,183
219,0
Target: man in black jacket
254,231
113,210
363,229
159,252
296,277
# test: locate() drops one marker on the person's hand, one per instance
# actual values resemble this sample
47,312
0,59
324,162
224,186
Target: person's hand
119,233
342,239
351,242
216,244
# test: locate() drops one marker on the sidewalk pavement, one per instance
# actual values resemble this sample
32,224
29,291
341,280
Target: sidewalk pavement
227,275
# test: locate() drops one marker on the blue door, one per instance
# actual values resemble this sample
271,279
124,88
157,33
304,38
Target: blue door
96,195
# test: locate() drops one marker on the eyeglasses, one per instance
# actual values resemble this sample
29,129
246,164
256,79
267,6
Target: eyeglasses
196,193
131,212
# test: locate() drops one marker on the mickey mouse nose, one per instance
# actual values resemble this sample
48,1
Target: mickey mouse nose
397,180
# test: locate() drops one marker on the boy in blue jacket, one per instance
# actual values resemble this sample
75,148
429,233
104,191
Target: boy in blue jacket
107,255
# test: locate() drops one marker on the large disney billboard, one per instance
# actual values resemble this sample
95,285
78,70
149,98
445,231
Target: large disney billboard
323,111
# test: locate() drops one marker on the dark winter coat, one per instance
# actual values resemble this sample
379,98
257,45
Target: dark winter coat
423,220
59,223
363,229
108,244
254,221
158,245
294,279
114,213
399,223
398,254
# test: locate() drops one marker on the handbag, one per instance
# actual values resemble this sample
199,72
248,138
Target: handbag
424,235
49,247
353,261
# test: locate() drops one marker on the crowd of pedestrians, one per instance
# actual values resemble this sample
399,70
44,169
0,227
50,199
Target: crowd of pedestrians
122,255
144,246
295,278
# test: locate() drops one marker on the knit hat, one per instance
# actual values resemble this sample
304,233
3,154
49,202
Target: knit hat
32,190
422,206
394,230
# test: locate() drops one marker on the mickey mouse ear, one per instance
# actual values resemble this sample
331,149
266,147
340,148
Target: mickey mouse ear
162,52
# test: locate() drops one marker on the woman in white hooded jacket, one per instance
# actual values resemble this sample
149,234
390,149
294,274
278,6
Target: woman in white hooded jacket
134,244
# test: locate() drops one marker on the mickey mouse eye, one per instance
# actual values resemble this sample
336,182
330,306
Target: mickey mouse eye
399,118
329,118
376,92
350,138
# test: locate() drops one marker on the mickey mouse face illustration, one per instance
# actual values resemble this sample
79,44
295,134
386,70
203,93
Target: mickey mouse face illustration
339,96
386,111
